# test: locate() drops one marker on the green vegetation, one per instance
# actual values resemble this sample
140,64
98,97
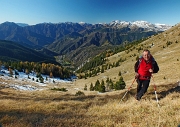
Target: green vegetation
59,89
16,52
99,64
39,68
119,85
108,85
96,61
79,93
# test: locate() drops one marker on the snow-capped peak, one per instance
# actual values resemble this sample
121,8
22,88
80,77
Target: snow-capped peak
82,23
141,24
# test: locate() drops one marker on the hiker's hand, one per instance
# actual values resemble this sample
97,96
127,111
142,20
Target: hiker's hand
151,70
136,75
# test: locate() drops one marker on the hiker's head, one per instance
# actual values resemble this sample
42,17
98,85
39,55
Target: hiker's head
146,54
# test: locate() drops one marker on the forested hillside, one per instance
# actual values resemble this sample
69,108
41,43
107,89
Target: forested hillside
16,52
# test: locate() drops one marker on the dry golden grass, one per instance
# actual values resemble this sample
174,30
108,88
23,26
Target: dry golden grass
49,108
57,109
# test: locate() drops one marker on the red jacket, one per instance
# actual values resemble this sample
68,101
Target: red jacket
143,69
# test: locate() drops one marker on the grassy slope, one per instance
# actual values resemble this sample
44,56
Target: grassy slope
55,109
59,109
166,58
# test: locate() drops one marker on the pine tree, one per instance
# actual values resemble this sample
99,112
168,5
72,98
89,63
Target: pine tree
91,87
107,84
41,79
98,70
102,70
119,85
102,87
85,76
119,73
97,85
85,87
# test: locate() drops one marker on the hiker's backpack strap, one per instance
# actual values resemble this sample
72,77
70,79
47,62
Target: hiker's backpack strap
137,64
154,65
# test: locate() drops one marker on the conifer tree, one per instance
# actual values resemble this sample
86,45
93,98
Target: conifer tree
102,87
90,74
102,69
107,84
119,73
85,87
41,80
97,85
91,87
107,80
119,85
98,70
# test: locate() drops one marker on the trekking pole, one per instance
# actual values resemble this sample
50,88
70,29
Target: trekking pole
155,92
128,89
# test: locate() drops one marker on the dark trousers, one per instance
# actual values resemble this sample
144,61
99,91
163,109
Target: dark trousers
142,88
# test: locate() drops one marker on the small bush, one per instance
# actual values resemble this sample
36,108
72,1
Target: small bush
59,89
79,93
85,87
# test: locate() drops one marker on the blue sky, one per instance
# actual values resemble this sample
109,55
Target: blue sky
90,11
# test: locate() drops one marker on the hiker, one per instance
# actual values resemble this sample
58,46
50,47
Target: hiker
144,67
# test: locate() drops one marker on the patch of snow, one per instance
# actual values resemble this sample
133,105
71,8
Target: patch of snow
24,77
76,88
23,87
4,83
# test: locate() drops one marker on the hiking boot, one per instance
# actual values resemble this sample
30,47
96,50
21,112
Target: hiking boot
137,98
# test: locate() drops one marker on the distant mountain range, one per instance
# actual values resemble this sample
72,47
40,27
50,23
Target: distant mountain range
78,41
22,24
141,24
16,52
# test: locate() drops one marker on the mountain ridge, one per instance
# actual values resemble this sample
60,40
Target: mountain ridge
71,38
16,52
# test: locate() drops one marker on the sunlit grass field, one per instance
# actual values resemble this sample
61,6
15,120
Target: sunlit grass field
49,108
